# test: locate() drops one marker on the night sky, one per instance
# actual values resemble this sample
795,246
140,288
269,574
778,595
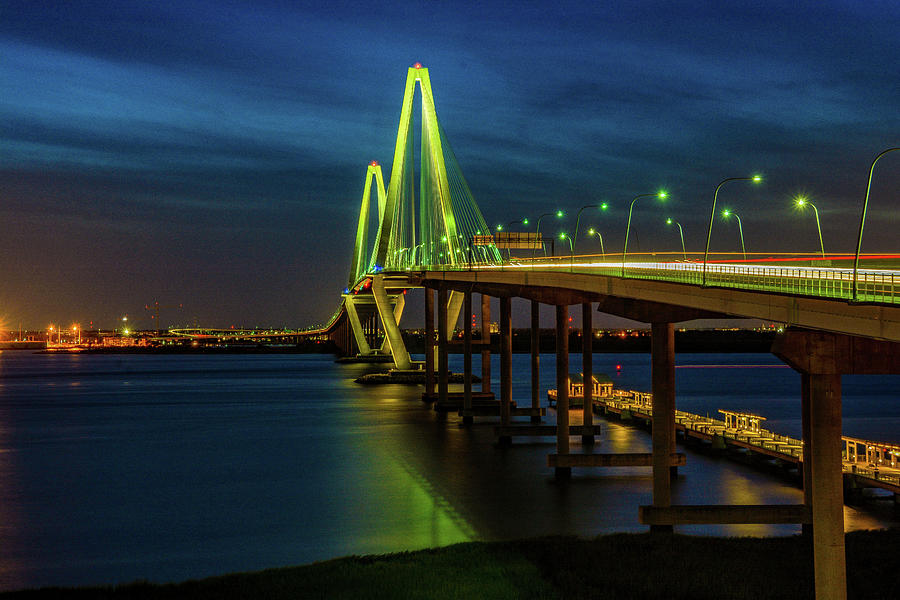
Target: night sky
212,154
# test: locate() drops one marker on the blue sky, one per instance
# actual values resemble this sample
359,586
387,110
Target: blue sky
212,154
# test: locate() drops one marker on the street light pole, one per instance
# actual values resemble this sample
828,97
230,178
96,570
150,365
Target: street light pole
802,201
662,196
862,221
712,216
601,206
592,231
537,231
681,233
727,213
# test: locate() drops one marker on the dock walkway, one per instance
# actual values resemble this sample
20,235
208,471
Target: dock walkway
865,463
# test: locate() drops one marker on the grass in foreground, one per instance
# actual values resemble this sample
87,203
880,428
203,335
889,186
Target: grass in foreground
616,566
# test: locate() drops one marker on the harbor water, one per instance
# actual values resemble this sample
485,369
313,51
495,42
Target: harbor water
167,467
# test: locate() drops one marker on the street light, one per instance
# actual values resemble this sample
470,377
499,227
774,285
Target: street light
601,206
802,201
727,213
593,231
669,221
537,230
712,215
862,219
662,195
564,236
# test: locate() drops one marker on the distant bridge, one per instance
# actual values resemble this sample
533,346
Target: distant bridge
841,319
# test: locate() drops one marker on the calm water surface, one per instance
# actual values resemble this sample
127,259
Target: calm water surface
116,468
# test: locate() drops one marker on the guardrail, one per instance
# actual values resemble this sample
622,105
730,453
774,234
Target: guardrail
789,276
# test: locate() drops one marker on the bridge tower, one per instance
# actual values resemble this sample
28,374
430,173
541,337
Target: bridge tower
443,227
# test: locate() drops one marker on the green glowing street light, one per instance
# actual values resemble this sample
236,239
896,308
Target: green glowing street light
802,201
862,220
537,230
712,215
601,206
670,221
511,223
564,236
729,213
593,231
662,195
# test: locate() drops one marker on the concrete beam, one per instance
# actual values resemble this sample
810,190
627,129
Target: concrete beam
724,514
647,311
824,353
636,459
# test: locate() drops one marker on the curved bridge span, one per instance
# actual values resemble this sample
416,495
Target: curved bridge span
840,318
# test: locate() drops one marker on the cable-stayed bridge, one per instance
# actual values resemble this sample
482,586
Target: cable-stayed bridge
431,234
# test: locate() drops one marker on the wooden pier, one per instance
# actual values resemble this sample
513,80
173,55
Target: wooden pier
865,463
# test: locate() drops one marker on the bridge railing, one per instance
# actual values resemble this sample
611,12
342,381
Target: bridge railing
801,275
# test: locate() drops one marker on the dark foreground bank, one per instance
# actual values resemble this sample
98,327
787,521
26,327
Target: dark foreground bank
612,566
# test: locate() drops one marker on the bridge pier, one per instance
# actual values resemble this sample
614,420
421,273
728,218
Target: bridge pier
587,367
806,458
535,360
467,358
429,343
562,388
662,348
486,343
505,365
821,358
390,325
443,367
359,334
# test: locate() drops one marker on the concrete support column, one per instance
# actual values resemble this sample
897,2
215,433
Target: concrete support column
399,305
587,369
827,487
453,307
467,358
443,367
486,341
535,359
662,348
429,343
505,364
562,388
806,464
390,325
356,325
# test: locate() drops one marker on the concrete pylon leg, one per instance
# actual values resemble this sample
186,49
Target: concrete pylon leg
454,307
467,359
505,364
562,388
807,448
359,334
587,368
535,359
827,487
662,347
429,342
443,366
390,325
485,339
399,304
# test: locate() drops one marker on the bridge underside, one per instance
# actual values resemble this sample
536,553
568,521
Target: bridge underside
881,322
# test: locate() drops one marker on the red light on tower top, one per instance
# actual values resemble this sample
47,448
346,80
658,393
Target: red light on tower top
374,163
417,65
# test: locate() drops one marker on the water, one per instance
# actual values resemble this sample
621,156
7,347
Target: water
122,467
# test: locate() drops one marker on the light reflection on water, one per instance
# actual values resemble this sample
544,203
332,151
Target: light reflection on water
173,467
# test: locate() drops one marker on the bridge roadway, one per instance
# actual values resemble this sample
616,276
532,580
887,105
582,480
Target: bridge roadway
828,335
